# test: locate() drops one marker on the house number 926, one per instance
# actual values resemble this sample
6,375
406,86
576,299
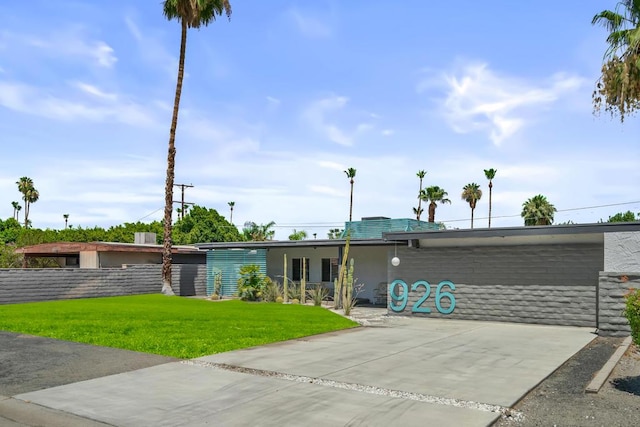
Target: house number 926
399,293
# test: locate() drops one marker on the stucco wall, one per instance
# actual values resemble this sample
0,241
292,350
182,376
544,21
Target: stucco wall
613,286
275,261
27,285
622,251
117,259
547,284
370,268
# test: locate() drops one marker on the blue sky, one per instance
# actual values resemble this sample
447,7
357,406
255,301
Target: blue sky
279,101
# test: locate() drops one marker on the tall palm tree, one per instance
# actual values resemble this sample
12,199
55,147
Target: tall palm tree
29,195
190,14
619,85
471,193
231,205
538,211
16,209
490,174
421,174
351,174
433,195
66,220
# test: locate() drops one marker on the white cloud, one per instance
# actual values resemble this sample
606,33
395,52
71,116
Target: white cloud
387,132
309,26
479,99
319,116
94,90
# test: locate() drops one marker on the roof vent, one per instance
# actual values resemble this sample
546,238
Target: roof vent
145,238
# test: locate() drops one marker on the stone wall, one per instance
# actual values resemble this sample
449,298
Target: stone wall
546,284
612,287
28,285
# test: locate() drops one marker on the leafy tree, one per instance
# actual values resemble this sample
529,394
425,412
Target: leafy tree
471,193
298,235
538,211
433,195
618,89
351,174
258,233
627,216
231,205
204,225
490,174
418,211
335,233
190,14
29,195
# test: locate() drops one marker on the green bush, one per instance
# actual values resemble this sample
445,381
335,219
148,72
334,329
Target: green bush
271,290
632,312
252,283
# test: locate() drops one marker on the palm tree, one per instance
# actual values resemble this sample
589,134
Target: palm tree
351,173
490,174
66,220
29,195
471,193
16,209
433,195
190,14
419,210
258,233
538,211
231,205
619,84
298,235
334,233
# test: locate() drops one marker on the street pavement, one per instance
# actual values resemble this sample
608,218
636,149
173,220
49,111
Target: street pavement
403,371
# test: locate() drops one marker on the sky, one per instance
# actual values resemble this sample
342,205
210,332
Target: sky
278,101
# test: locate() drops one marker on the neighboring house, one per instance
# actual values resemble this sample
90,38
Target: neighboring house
110,254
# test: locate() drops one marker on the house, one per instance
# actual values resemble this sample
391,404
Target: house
111,254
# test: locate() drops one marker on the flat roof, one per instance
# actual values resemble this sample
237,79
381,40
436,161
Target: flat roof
292,243
74,248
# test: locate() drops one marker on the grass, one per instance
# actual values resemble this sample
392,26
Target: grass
169,326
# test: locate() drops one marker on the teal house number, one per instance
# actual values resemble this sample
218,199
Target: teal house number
400,300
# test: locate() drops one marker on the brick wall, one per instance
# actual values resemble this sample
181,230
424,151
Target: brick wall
546,284
613,286
27,285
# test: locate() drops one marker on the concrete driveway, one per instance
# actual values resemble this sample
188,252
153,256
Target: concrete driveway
404,372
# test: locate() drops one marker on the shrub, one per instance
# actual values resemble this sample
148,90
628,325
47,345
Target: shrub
632,312
279,300
318,294
272,290
251,283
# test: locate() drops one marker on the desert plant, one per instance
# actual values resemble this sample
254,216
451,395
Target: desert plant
279,300
217,283
318,294
632,313
251,283
347,291
285,283
303,282
271,290
342,274
293,291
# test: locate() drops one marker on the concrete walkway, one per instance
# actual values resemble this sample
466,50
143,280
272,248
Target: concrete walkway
400,372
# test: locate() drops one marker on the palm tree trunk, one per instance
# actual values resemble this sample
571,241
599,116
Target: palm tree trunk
419,201
171,163
490,190
351,202
26,213
432,212
231,216
472,209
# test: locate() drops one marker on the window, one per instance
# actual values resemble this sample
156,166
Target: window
297,269
329,269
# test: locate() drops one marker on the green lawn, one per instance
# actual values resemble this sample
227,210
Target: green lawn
170,326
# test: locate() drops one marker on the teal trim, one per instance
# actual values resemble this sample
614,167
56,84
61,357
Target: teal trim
228,263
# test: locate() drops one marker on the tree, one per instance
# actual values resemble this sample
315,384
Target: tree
421,174
490,174
334,233
298,235
627,216
471,193
618,88
231,205
66,220
16,209
538,211
351,174
433,195
204,225
190,14
258,233
29,195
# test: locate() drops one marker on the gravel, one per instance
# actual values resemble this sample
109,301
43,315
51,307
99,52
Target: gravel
560,400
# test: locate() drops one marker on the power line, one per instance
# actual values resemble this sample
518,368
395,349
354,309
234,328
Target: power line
182,202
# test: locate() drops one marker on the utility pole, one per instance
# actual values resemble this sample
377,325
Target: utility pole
182,202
